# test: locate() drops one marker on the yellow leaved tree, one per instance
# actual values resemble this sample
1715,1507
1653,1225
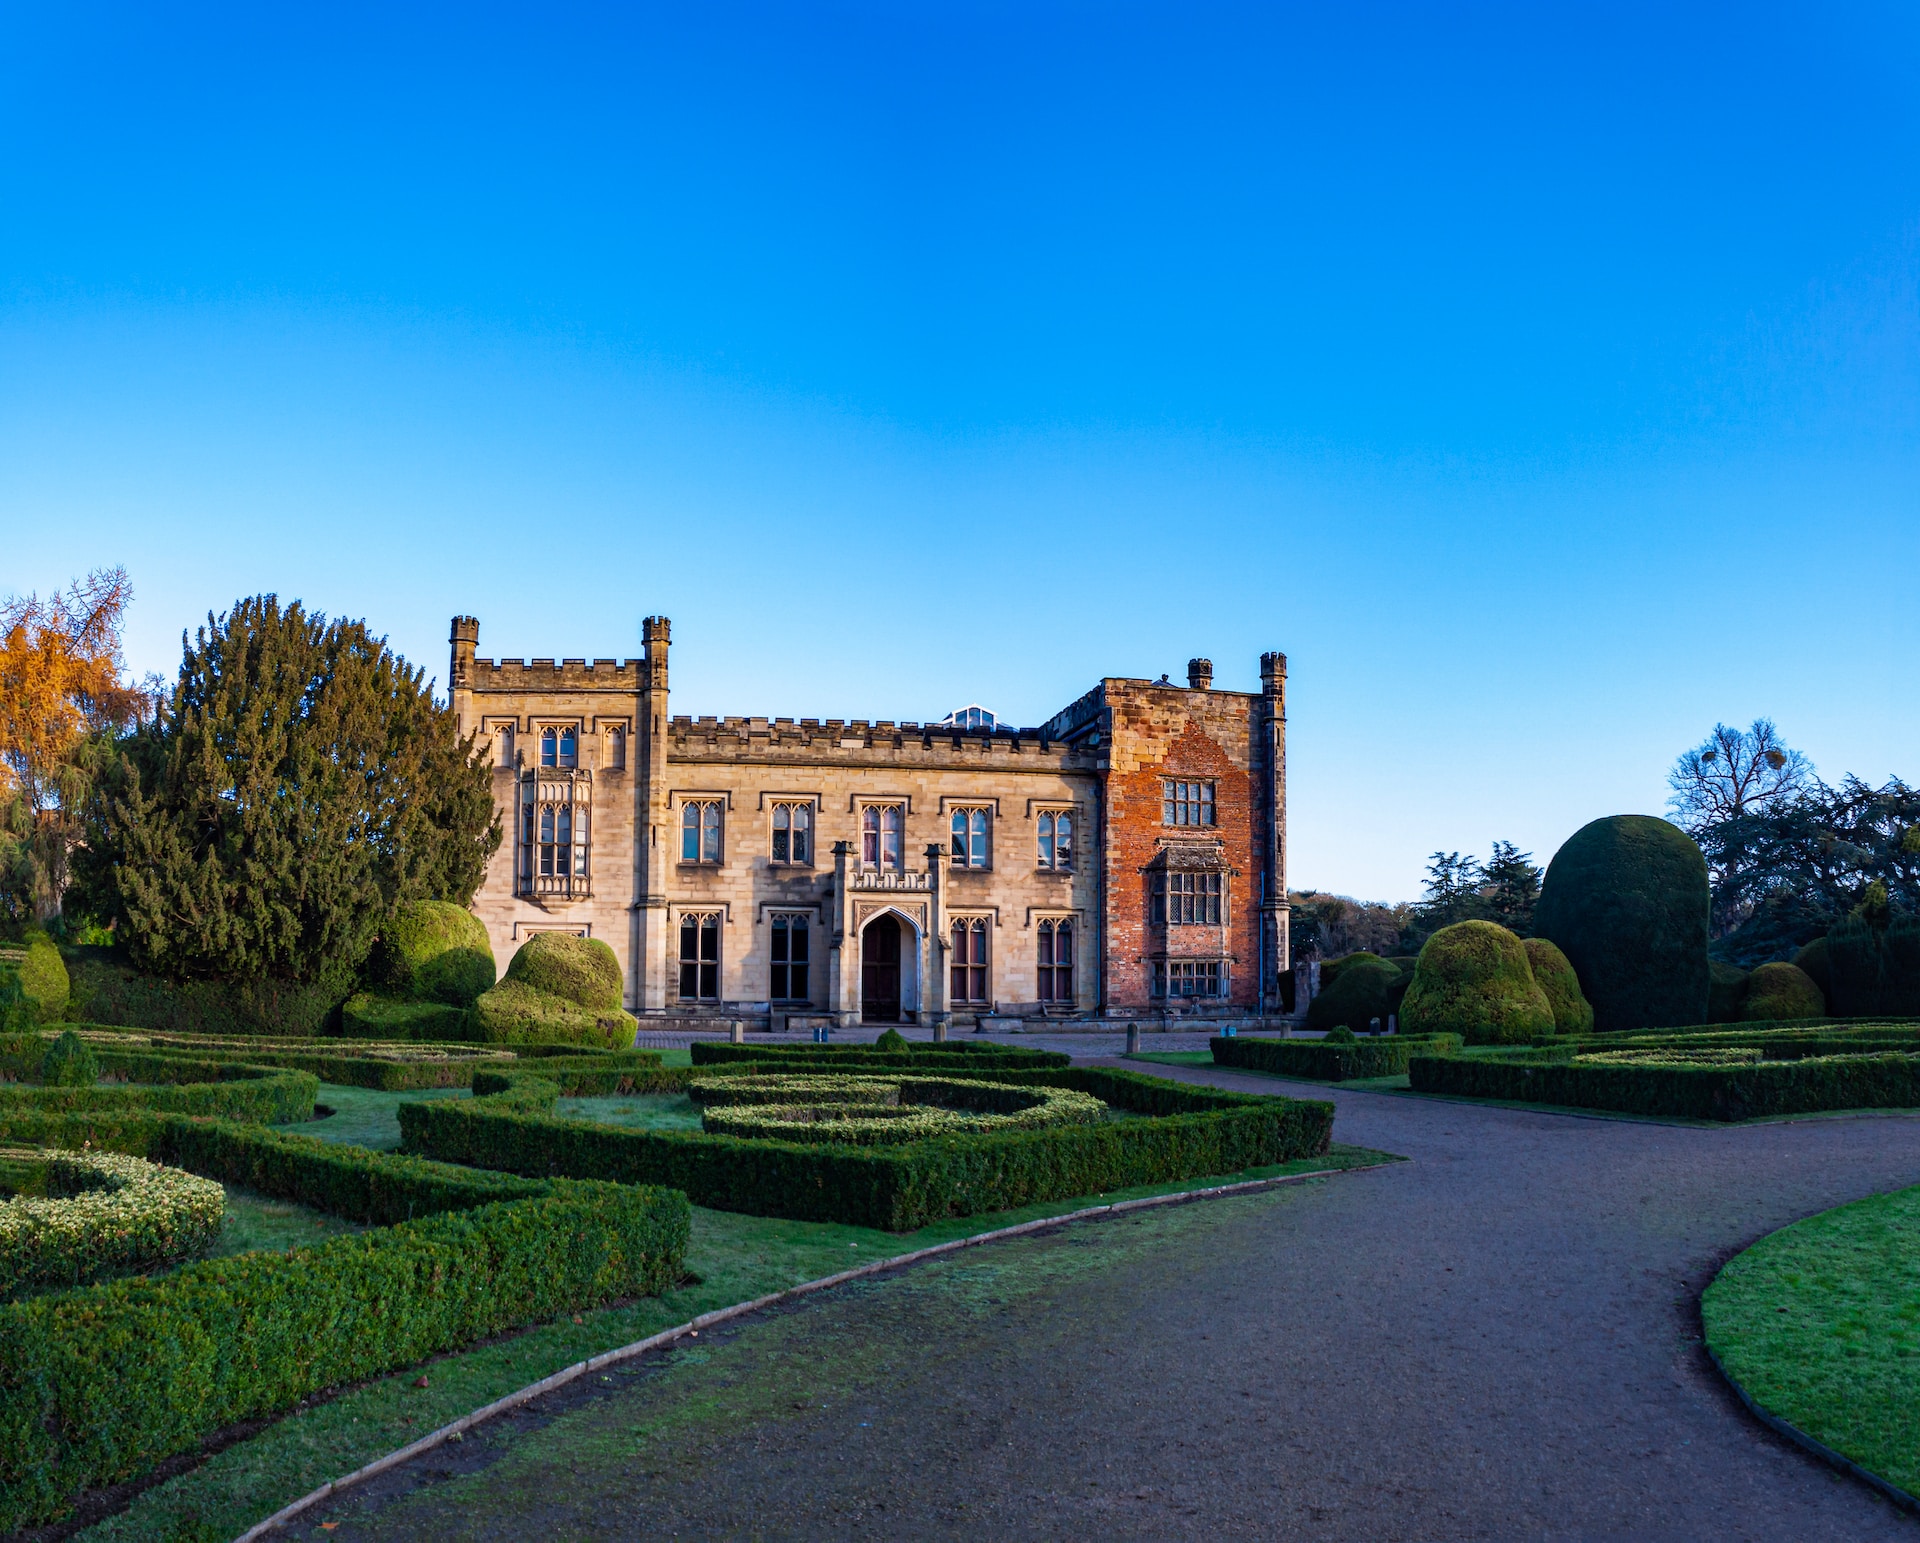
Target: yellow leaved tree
62,699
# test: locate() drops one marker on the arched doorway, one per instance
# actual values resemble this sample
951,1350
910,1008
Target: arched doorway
880,970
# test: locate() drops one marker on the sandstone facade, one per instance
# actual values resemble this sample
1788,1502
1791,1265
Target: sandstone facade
1126,857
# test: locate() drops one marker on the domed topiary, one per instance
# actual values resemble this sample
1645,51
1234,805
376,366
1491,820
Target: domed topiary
1812,958
1626,900
1782,991
893,1039
583,971
69,1063
36,968
1474,980
513,1013
1340,1035
434,951
1572,1014
1333,969
1874,964
1366,989
1726,991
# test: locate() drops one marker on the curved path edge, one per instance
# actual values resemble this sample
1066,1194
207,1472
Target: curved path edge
1801,1439
640,1347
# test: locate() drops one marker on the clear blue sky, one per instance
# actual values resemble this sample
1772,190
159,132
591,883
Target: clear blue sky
1545,381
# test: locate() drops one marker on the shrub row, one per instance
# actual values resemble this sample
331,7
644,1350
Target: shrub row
885,1110
945,1056
1382,1056
104,1211
99,1385
1890,1080
175,1083
1192,1132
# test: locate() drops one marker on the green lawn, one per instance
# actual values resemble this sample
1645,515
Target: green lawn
732,1259
260,1224
1820,1323
363,1117
651,1111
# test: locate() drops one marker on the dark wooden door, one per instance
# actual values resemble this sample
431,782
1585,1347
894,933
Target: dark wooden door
880,971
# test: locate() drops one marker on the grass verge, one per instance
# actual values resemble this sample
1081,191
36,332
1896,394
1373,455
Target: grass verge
1820,1324
733,1258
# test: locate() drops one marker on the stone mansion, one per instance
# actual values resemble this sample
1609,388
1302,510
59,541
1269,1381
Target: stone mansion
1125,858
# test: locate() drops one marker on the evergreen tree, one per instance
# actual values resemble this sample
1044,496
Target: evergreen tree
1510,884
1453,890
300,782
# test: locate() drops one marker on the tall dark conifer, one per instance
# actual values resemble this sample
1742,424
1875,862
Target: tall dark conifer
300,782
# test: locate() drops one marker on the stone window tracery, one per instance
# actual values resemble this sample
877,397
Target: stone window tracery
1056,840
700,956
967,966
700,831
1056,961
970,838
793,834
881,829
555,833
789,950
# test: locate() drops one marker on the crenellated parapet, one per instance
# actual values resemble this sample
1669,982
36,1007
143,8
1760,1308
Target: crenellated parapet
860,741
564,675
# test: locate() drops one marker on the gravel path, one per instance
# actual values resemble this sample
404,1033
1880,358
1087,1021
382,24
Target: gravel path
1498,1339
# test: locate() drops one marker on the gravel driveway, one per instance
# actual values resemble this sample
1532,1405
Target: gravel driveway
1498,1339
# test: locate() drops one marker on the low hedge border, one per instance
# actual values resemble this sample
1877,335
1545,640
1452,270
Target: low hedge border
176,1083
1889,1080
879,1111
1380,1056
939,1058
100,1384
1190,1132
103,1211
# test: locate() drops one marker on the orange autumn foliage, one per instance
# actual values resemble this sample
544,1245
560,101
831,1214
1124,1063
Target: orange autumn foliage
60,684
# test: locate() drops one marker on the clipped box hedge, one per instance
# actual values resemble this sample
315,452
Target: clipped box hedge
1887,1080
941,1058
1190,1132
161,1080
1381,1056
101,1384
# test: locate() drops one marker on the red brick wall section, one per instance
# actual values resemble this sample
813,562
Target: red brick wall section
1160,732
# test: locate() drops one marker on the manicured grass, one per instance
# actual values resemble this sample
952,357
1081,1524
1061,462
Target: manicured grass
261,1224
733,1258
364,1117
649,1111
1820,1324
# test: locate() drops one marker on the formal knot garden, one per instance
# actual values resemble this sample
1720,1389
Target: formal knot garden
531,1182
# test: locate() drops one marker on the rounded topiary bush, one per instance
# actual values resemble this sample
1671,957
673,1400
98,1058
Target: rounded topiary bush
434,951
1340,1034
583,971
513,1013
69,1063
1626,900
893,1039
1474,980
1554,975
35,967
1782,991
1874,965
1812,958
1366,989
1726,991
1333,969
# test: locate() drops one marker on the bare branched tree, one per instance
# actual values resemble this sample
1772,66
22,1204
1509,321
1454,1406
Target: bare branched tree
1734,773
